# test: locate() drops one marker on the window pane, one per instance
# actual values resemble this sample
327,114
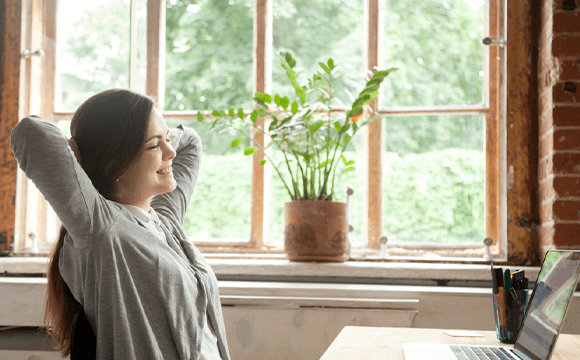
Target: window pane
354,179
209,48
93,49
437,46
316,30
220,207
433,188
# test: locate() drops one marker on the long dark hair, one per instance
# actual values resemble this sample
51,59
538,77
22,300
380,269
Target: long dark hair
109,129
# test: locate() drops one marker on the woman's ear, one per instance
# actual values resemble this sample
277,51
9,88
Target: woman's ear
75,149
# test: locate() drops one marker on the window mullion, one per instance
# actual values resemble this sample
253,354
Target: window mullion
262,83
373,222
155,83
133,46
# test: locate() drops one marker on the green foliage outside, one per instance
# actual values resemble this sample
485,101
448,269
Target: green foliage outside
434,174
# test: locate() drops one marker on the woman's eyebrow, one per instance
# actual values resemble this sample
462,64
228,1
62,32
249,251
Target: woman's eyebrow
157,136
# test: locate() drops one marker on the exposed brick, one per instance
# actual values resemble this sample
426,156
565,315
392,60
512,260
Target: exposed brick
566,21
567,92
567,139
545,167
547,213
566,116
547,192
565,163
566,186
566,46
546,145
567,5
570,69
547,235
566,234
546,122
566,210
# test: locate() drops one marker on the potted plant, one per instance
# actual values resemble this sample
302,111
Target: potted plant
311,135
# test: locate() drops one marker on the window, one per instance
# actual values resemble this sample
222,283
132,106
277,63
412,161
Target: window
428,174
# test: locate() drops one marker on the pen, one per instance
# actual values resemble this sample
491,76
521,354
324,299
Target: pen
508,303
501,302
495,293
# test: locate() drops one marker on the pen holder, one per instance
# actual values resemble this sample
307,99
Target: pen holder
509,312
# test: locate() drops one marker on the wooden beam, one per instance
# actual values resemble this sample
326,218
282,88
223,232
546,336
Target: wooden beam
155,84
493,171
261,175
10,24
373,221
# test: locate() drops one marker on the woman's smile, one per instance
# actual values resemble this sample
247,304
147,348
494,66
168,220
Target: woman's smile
166,171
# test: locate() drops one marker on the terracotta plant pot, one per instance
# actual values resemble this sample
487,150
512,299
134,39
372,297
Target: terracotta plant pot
316,231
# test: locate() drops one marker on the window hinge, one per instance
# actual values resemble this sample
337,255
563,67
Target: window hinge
26,53
490,41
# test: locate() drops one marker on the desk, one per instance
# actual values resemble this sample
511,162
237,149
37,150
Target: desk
385,343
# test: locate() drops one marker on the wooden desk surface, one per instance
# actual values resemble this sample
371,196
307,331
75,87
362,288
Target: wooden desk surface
374,343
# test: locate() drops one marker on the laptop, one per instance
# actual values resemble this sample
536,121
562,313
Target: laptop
541,324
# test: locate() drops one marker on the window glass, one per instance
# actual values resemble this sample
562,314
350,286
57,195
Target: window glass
220,207
434,179
209,49
437,45
93,49
316,30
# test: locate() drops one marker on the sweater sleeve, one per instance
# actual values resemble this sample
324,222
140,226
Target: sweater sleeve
185,169
43,154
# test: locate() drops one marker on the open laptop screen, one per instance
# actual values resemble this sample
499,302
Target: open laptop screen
554,288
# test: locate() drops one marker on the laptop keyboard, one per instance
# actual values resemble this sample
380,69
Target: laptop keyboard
480,352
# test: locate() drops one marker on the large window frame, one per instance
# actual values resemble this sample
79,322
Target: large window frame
38,77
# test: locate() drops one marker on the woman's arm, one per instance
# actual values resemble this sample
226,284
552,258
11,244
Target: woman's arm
45,157
185,169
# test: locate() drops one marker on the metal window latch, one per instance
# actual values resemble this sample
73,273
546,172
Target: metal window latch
34,238
383,241
490,41
27,54
487,242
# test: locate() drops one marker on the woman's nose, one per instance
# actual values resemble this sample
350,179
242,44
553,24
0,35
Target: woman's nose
169,152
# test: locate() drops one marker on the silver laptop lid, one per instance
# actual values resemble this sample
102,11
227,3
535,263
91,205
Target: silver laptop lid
547,307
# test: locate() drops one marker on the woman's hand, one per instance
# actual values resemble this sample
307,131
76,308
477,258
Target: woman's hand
73,145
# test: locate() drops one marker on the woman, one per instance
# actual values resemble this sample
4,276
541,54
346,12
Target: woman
121,192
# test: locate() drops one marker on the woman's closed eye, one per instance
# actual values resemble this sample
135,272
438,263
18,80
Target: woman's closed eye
156,146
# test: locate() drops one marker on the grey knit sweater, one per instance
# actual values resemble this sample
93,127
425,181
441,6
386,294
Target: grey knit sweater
145,299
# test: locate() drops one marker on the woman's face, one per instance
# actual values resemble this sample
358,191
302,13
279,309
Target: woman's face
151,173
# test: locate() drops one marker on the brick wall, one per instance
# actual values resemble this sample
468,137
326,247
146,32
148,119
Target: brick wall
559,124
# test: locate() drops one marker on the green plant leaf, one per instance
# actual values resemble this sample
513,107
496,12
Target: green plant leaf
354,111
345,127
232,112
265,97
250,150
262,162
284,102
215,113
200,116
237,141
330,64
254,116
337,126
260,102
222,113
350,162
241,113
317,125
277,100
343,159
301,95
324,67
294,108
323,164
354,127
348,169
346,140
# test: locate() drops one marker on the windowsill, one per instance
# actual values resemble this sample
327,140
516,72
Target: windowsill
402,273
